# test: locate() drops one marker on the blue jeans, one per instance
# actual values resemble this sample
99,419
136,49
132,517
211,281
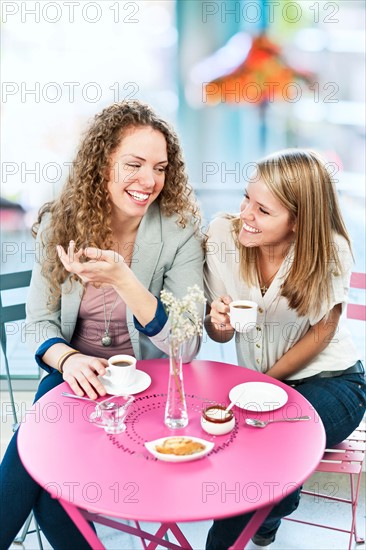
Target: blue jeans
20,494
341,404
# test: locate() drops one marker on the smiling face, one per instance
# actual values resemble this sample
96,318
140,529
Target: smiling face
266,222
137,172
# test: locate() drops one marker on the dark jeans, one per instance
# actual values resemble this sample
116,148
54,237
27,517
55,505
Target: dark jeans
20,494
341,404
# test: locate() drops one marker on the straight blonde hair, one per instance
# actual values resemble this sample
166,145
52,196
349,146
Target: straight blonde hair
300,180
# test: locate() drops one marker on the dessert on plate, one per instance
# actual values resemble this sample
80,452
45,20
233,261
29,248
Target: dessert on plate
180,446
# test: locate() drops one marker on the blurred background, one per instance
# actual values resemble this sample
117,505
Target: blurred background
237,79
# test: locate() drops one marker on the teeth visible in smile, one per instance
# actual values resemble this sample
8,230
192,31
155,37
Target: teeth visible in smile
138,196
250,229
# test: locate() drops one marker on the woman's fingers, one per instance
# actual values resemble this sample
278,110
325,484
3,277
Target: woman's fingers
226,300
97,254
104,362
70,258
81,373
101,267
80,386
84,383
219,313
219,308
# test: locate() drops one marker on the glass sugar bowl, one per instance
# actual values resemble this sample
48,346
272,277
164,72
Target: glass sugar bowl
215,420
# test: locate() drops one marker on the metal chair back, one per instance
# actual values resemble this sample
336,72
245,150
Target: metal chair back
11,314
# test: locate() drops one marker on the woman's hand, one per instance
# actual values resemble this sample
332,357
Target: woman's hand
219,313
103,267
217,321
106,267
81,373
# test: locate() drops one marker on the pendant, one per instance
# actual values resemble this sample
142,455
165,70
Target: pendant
106,340
263,289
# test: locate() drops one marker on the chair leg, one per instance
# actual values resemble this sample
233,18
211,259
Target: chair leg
26,531
354,497
11,394
20,538
38,531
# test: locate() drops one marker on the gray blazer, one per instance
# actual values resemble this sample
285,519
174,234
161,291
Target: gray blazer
164,256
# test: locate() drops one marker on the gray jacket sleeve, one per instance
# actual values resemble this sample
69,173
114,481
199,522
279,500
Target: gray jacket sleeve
186,270
42,322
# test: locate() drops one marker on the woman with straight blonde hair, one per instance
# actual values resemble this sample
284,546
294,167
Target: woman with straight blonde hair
293,258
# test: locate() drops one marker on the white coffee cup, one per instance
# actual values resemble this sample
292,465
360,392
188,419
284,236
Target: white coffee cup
243,315
120,373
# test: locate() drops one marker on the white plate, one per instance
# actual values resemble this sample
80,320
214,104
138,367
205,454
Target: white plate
142,382
151,447
258,396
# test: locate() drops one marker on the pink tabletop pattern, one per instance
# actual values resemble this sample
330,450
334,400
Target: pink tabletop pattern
248,469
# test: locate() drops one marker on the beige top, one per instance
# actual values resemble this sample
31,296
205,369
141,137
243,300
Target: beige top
91,326
278,327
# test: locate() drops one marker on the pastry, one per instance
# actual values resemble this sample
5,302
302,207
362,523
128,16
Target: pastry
180,446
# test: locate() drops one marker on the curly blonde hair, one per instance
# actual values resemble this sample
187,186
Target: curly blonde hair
86,188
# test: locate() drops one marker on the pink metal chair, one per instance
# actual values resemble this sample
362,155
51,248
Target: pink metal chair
12,314
348,456
345,458
357,311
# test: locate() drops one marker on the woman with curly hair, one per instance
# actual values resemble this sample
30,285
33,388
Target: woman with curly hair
124,227
294,260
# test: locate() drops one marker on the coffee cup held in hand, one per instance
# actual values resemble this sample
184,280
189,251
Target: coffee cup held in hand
120,373
243,315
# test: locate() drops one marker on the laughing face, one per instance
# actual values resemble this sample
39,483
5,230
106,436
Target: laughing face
137,173
266,222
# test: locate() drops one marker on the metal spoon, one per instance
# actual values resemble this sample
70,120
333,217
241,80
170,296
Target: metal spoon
263,423
74,396
237,400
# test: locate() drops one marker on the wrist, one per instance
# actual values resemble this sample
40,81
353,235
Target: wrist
62,360
125,282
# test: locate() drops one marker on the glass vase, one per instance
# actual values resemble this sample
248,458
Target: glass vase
176,415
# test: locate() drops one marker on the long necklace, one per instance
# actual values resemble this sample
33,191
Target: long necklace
107,338
264,285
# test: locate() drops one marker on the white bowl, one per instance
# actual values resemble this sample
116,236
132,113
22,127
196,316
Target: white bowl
219,424
151,447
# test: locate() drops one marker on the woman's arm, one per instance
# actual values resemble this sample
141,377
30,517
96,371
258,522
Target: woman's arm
43,333
311,344
107,267
78,370
48,338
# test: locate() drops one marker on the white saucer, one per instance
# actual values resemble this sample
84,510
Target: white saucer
258,396
141,383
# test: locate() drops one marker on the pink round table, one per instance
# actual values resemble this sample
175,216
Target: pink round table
91,472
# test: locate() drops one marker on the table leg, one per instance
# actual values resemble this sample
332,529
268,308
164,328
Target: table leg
251,528
173,527
179,536
80,520
83,526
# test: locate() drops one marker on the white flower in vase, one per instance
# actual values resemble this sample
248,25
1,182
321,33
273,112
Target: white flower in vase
185,322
